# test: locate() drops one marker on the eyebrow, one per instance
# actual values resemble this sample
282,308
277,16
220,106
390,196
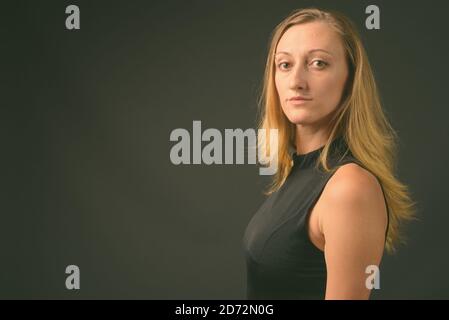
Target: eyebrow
310,51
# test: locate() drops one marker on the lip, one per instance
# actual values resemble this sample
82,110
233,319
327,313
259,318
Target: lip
299,98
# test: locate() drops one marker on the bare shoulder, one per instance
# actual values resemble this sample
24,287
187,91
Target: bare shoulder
354,181
353,222
354,193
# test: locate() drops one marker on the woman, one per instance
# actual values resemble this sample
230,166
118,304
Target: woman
334,203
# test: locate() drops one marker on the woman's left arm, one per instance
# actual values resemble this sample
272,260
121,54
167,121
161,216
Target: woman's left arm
353,227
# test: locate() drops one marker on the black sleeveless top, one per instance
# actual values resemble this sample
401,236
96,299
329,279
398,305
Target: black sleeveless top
281,261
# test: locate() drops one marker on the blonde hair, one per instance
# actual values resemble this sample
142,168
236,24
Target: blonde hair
359,119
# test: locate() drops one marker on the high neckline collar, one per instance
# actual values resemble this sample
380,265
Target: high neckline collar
307,160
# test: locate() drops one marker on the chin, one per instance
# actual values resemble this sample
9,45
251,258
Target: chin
299,117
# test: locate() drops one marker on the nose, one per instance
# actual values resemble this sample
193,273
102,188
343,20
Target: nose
298,78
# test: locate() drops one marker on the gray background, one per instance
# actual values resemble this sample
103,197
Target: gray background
86,119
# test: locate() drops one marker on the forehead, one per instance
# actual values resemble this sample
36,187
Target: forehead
312,35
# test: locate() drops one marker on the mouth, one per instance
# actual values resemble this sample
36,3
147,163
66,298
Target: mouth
299,98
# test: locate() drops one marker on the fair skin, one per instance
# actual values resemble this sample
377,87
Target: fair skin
349,220
319,75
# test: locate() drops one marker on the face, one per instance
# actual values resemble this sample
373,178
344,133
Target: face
310,63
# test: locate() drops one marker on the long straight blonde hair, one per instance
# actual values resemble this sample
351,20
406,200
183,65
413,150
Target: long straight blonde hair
359,119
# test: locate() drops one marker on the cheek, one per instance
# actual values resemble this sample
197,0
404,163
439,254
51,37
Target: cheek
282,91
279,87
331,89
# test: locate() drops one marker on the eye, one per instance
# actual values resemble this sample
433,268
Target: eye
321,64
282,65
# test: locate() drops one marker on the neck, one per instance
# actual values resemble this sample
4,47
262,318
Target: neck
308,140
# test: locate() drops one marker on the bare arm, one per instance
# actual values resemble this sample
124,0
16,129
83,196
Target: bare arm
353,226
